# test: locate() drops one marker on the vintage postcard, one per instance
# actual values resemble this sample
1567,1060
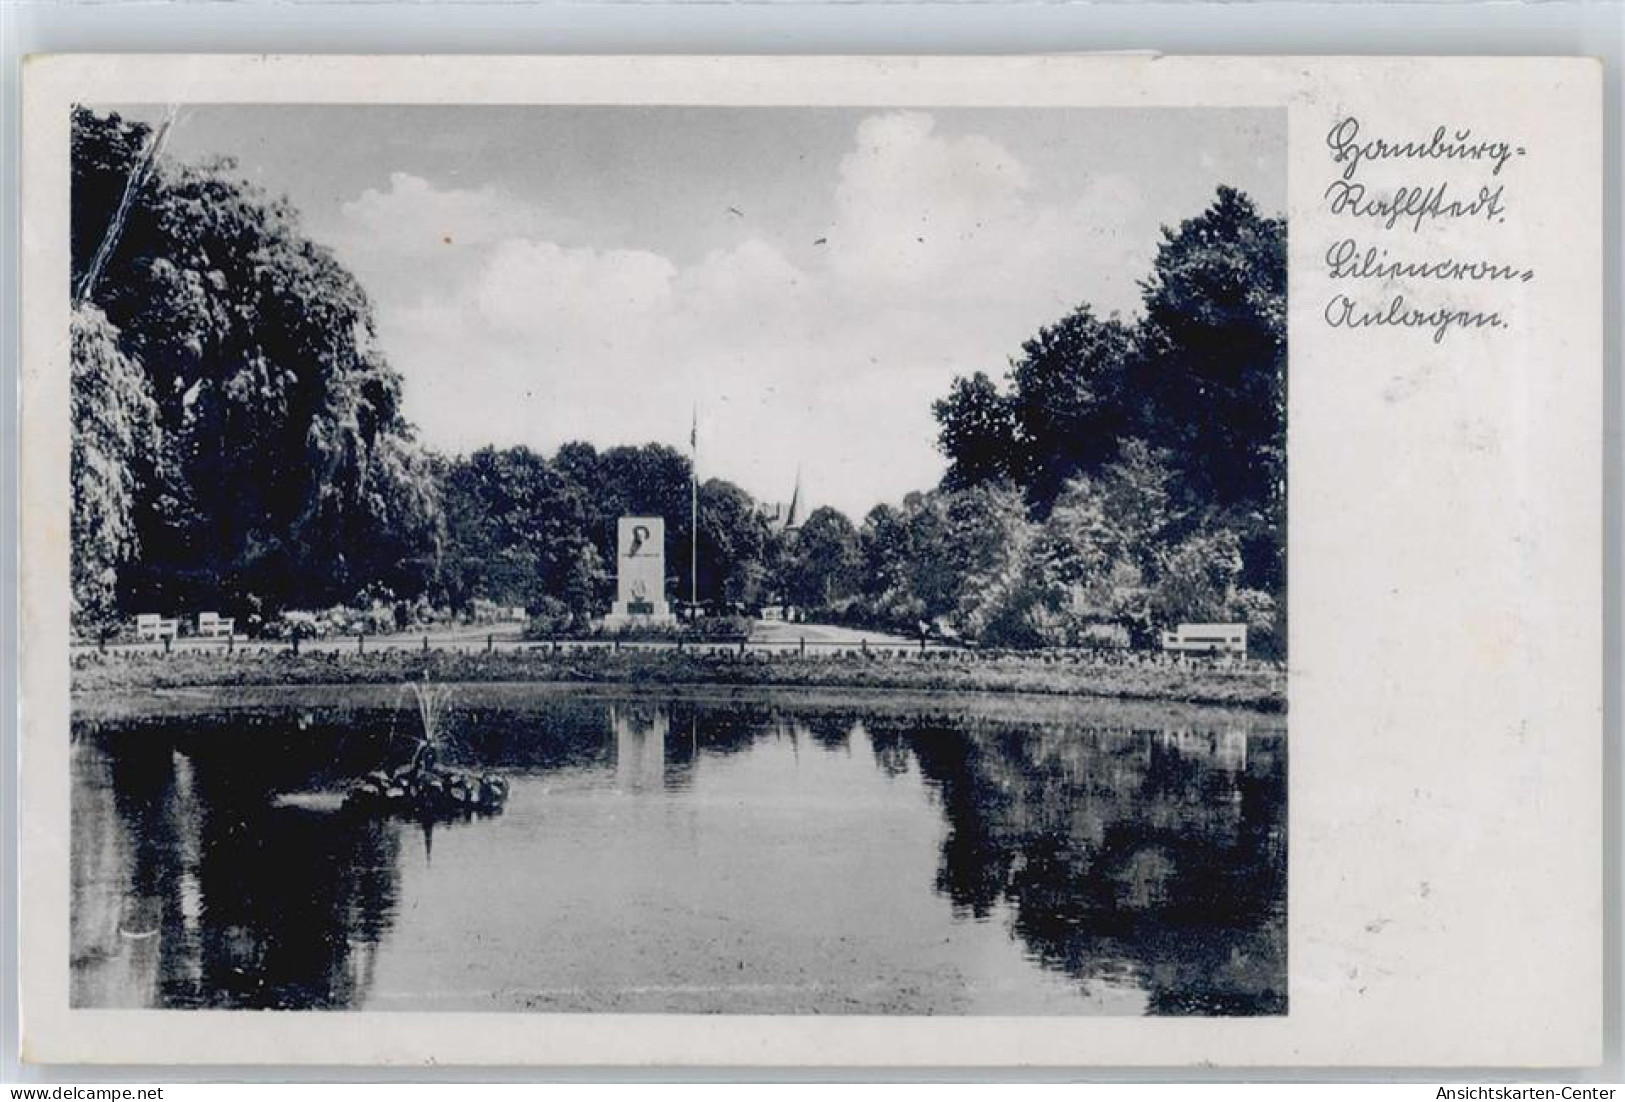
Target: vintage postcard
821,561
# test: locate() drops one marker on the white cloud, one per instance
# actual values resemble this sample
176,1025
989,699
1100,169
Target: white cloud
912,207
959,220
413,217
940,260
537,287
749,278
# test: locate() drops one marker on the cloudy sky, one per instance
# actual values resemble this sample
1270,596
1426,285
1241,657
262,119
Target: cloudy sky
811,278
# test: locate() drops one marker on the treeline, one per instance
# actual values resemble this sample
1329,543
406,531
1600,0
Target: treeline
521,528
238,446
1136,471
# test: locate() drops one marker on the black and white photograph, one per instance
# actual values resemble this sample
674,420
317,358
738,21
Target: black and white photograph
618,559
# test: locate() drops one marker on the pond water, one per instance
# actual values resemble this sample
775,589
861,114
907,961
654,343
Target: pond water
684,852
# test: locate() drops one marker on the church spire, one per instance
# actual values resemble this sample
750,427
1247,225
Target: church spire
795,501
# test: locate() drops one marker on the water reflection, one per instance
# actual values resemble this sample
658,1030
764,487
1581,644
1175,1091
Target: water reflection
1130,866
191,889
1158,853
640,745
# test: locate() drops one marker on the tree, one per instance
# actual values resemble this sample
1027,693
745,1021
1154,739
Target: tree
1068,401
1103,546
947,556
283,447
977,432
577,460
520,527
516,531
883,550
1063,414
115,443
976,556
1140,504
1079,556
648,480
1198,581
400,543
733,541
1212,368
586,582
934,571
887,564
1148,452
824,561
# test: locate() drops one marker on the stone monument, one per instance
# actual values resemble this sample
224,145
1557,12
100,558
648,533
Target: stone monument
640,574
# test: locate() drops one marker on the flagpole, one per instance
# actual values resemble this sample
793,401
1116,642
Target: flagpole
694,516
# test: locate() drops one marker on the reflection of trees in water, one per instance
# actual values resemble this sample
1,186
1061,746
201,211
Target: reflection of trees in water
725,729
1156,857
127,894
685,732
830,730
1147,853
1160,854
295,902
192,889
566,734
891,749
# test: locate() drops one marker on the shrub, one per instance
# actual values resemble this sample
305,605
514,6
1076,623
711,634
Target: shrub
294,625
549,618
720,629
1266,623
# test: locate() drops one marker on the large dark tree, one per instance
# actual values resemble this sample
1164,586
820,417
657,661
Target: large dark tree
1201,376
733,547
516,529
284,471
885,551
977,432
1062,415
1212,370
1068,401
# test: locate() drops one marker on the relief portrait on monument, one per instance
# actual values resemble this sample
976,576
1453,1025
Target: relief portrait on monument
641,573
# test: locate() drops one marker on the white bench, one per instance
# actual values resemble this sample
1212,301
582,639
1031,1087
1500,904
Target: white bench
1207,639
212,625
151,626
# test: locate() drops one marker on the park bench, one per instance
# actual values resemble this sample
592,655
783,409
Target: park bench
212,625
149,626
1209,639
